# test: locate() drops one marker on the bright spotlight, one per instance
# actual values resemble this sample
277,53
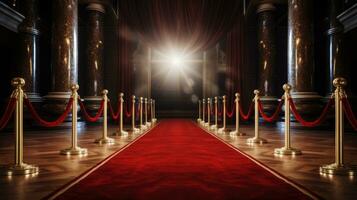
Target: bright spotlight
176,61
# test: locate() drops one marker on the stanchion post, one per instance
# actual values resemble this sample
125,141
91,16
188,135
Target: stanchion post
133,127
154,111
19,167
256,139
142,126
339,167
199,112
74,149
203,122
147,123
121,131
215,125
224,116
208,123
105,139
237,131
287,149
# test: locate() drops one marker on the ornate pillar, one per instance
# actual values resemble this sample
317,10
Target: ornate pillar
28,52
64,53
334,33
267,55
93,81
301,55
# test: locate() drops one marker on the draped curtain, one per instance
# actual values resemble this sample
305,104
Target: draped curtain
184,25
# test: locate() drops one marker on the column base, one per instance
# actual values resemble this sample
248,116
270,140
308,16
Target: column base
74,151
287,151
105,140
23,169
256,140
237,133
336,169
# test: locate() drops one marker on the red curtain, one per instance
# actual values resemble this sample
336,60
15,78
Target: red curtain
184,25
236,54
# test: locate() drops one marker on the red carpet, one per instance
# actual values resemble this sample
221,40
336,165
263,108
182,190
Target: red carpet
178,160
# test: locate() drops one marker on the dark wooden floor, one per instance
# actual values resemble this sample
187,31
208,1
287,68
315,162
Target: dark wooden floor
41,148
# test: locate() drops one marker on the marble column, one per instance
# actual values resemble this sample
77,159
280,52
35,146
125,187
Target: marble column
64,53
301,67
27,63
334,34
267,55
93,81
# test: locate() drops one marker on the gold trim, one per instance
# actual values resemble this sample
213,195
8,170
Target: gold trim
301,189
85,174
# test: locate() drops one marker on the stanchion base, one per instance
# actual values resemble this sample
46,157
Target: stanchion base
74,151
256,140
148,124
199,120
206,124
121,133
134,130
213,127
287,151
143,127
23,169
236,133
105,140
224,130
153,120
335,169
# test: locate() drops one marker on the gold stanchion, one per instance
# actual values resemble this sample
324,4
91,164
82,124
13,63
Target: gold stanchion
19,167
147,123
215,125
152,118
287,149
105,139
208,123
203,122
154,110
133,127
339,168
142,126
224,115
256,138
237,131
199,112
121,131
74,149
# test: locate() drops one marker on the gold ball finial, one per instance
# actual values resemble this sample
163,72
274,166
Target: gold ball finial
237,94
256,92
286,87
18,82
224,96
121,94
339,82
105,92
74,87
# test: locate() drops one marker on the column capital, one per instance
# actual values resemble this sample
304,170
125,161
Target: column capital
265,7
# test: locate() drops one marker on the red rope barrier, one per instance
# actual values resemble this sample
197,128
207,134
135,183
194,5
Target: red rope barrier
115,116
349,113
45,123
85,114
231,112
128,114
250,111
275,115
10,107
316,122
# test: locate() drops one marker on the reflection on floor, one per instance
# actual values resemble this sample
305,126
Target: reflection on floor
42,148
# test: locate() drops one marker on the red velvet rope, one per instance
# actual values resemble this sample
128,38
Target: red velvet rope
230,113
85,114
128,114
115,116
316,122
219,111
250,111
7,113
349,113
45,123
275,115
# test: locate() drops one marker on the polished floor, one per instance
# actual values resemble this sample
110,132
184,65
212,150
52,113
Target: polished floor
42,147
